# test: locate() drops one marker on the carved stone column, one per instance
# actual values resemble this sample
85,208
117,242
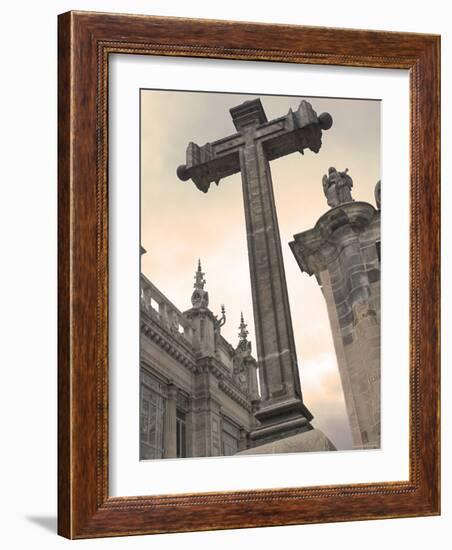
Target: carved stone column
170,434
342,252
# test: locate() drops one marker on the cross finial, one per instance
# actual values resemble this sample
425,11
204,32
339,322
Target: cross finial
243,334
199,277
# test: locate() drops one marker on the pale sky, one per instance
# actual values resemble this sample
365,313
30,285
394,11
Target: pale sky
180,224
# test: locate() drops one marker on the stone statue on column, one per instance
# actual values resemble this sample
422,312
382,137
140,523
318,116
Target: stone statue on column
337,187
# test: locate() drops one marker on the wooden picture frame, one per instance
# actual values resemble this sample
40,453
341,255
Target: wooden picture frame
85,42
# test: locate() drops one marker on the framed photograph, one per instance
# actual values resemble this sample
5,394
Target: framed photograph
248,275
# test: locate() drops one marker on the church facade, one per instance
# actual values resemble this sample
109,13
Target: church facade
198,392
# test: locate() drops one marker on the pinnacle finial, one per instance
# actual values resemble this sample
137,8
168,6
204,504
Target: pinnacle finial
243,334
199,277
200,297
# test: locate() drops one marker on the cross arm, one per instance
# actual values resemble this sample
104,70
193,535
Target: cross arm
211,162
294,132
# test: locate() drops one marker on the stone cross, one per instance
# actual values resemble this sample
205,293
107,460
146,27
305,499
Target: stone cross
249,151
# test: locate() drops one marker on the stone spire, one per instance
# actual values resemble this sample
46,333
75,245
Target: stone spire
244,344
243,334
200,297
245,366
199,277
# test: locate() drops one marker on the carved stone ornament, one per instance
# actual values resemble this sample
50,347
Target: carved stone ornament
200,297
337,187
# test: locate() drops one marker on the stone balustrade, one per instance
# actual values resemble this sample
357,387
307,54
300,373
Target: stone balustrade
157,306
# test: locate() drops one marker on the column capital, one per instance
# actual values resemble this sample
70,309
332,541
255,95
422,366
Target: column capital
315,248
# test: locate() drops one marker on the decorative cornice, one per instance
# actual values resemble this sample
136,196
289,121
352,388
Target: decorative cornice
158,333
228,390
226,380
316,247
175,347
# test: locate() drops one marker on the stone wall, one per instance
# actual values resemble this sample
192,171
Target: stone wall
195,367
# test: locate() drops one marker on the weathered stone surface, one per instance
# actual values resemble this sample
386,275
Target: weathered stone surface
310,441
191,373
249,151
337,187
342,250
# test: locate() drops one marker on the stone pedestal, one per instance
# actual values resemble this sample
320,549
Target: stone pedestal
311,441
